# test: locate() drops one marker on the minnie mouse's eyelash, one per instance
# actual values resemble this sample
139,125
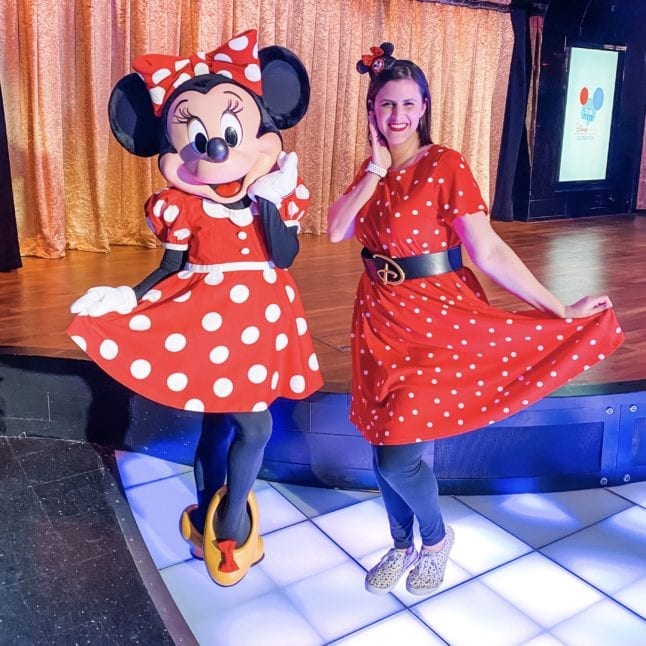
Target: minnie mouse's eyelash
234,106
183,115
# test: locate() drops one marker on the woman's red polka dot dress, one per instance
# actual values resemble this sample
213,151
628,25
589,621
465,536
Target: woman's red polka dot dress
431,357
228,333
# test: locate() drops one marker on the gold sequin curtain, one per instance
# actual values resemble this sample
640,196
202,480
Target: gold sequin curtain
74,187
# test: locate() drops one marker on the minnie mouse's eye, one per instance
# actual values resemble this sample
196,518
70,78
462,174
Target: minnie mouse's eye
197,136
231,129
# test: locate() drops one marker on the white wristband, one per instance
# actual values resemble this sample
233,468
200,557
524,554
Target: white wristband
377,170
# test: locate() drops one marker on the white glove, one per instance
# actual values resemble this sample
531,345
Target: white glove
279,183
98,301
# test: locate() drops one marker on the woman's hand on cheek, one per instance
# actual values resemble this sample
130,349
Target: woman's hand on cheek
380,152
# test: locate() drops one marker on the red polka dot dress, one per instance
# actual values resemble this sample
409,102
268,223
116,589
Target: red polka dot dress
431,357
226,334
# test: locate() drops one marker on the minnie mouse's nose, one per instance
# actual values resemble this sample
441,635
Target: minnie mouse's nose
217,149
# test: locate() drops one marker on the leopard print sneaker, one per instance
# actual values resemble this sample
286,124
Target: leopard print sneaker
384,576
428,574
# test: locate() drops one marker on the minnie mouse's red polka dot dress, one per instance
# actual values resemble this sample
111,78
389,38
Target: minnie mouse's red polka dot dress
227,334
431,357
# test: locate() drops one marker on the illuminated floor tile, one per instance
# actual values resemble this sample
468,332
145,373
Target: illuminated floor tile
136,468
299,552
267,620
635,491
539,519
602,624
157,507
336,603
275,511
472,613
611,555
199,599
314,501
479,543
403,628
360,529
542,590
634,596
545,639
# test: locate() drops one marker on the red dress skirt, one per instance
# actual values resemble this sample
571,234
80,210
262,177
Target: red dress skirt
431,357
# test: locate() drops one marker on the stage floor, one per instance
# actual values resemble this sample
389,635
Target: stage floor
571,257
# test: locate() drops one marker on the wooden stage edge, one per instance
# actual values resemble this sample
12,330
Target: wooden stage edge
571,257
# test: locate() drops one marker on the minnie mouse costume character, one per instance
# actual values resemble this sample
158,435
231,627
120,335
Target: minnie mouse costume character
219,327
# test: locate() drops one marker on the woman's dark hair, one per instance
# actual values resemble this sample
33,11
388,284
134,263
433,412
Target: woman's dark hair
402,69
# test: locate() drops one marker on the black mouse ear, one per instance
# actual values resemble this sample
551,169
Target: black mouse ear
132,117
285,86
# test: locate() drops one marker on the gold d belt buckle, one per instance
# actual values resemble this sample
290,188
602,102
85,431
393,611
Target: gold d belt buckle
391,273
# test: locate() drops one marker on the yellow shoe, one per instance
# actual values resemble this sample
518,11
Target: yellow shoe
226,563
190,534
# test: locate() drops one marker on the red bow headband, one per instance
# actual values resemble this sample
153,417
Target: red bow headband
379,59
368,59
237,59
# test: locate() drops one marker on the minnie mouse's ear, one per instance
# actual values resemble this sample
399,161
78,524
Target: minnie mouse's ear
132,119
285,86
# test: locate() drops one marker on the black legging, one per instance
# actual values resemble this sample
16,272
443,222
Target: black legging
231,450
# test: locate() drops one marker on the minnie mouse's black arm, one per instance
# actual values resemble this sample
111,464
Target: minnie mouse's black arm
281,239
172,261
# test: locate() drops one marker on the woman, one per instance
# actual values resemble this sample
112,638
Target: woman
431,357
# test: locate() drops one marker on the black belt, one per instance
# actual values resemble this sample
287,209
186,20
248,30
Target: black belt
393,271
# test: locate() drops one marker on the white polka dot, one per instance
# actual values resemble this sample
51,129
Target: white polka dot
140,369
140,323
214,278
239,293
183,297
252,72
80,341
257,373
108,349
250,335
175,342
177,382
281,341
170,214
269,276
211,321
259,407
219,354
239,44
196,405
272,313
223,387
291,294
297,384
274,380
301,325
313,362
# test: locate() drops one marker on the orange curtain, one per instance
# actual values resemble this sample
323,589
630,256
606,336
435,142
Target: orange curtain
74,187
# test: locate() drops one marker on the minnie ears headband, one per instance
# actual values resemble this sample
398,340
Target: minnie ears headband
379,59
237,59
